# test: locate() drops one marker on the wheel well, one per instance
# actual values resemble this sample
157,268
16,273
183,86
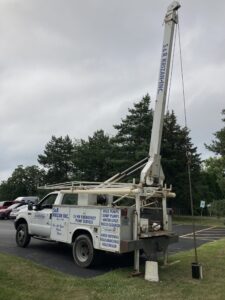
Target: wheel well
20,221
79,232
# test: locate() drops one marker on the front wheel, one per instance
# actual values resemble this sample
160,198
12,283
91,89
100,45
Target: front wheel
22,236
83,251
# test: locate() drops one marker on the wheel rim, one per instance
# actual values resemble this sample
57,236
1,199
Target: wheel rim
21,236
82,251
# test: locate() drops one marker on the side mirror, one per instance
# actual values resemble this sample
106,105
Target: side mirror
30,206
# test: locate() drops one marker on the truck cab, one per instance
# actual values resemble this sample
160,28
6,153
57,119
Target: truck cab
38,217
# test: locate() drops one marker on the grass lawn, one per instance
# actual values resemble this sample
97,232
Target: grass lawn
208,221
22,279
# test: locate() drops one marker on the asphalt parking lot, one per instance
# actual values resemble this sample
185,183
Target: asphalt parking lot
59,256
203,234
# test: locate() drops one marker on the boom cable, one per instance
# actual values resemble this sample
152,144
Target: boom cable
188,153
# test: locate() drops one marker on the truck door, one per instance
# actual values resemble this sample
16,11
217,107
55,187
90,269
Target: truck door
41,217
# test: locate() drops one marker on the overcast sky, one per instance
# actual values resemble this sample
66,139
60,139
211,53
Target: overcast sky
72,67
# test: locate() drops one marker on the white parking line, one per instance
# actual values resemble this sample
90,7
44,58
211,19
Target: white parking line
212,235
188,234
199,237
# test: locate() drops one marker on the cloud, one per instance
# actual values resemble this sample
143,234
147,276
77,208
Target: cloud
74,68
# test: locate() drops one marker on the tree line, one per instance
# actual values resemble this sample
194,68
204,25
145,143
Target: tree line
101,156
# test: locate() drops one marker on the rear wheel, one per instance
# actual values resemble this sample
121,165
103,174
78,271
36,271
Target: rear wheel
22,236
83,251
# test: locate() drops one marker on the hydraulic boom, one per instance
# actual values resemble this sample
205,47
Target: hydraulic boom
152,174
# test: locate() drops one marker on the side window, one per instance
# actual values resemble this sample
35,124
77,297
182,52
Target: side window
70,199
49,201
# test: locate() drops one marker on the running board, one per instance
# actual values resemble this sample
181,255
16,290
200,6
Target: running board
43,239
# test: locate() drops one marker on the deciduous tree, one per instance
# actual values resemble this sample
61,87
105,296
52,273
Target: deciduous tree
23,182
215,166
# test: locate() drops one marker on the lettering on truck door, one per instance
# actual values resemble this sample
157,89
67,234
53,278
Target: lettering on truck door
41,218
60,218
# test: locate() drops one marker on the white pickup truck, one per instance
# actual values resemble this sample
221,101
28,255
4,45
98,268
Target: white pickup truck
77,219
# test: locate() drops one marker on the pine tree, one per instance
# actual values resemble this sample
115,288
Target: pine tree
93,158
175,145
57,159
133,135
218,145
132,141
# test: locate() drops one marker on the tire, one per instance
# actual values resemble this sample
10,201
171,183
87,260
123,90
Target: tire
22,236
83,252
2,217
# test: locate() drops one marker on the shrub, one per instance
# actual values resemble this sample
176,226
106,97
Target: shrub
217,208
